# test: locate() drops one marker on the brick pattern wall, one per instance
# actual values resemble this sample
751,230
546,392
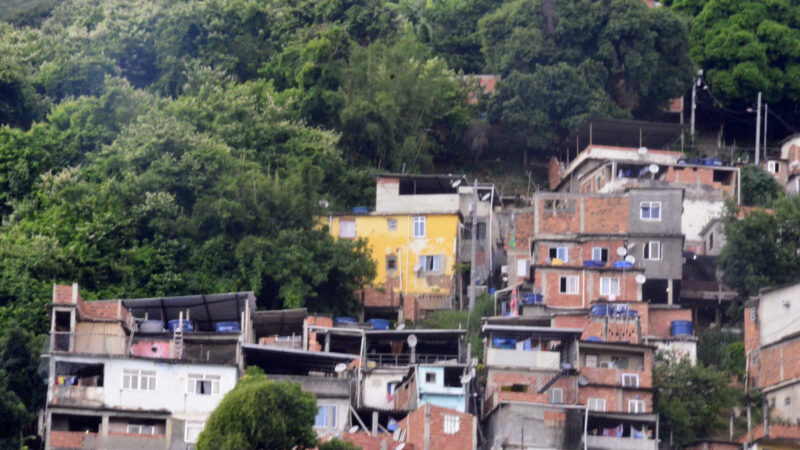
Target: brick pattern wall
523,230
616,399
779,363
553,172
752,330
560,220
661,320
613,377
62,293
497,379
405,395
415,423
369,442
548,279
606,214
67,439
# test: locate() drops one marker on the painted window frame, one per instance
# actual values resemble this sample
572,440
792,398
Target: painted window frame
190,425
647,251
436,264
600,250
552,397
576,284
420,225
650,207
348,225
451,424
331,415
391,224
630,376
193,378
636,406
560,251
139,375
606,284
596,404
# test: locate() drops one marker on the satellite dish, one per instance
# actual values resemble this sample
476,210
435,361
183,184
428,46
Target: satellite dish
486,196
642,151
640,279
401,446
324,203
466,378
583,380
653,168
455,183
622,251
631,259
630,247
353,429
412,340
400,326
341,367
417,267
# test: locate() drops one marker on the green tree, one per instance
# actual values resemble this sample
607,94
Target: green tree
691,400
759,187
260,413
610,57
471,320
21,388
762,249
746,46
336,444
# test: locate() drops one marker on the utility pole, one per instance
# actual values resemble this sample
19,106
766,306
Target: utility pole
766,110
697,81
758,127
473,245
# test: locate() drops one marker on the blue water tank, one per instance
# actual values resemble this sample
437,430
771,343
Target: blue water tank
379,324
681,327
593,339
227,327
533,299
361,210
188,325
504,343
600,310
712,162
345,321
622,264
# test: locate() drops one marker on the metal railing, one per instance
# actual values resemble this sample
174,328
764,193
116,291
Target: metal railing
404,359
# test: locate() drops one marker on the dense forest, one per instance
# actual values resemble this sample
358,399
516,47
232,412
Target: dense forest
159,147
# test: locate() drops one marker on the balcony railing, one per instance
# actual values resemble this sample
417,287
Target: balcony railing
404,359
523,358
92,396
620,443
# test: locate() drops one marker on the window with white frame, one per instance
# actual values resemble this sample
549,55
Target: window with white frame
347,229
630,380
419,226
556,396
609,286
203,384
652,250
599,254
138,428
650,210
636,406
752,314
561,253
392,224
192,431
568,284
597,404
430,263
326,416
774,166
139,380
451,424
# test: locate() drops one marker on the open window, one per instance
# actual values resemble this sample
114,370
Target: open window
62,331
79,374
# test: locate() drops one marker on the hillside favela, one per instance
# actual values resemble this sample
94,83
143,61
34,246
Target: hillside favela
400,224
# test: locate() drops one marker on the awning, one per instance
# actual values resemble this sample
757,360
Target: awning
203,310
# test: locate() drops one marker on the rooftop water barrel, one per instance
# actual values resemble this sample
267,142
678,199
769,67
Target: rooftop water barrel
504,343
188,325
712,162
151,326
593,339
600,310
622,264
345,321
681,327
379,324
533,299
227,327
361,210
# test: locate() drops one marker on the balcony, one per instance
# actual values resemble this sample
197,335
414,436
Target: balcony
523,358
86,396
404,359
620,443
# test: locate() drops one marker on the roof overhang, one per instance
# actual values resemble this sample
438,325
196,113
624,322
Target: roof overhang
526,331
204,310
287,361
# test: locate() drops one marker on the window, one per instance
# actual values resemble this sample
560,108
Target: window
711,241
652,251
522,268
619,362
569,285
599,254
650,211
347,229
392,223
556,396
203,384
630,380
787,401
430,377
591,360
598,184
193,430
636,406
609,286
391,263
597,404
773,166
141,429
559,252
139,380
480,231
430,263
419,226
326,417
451,424
752,314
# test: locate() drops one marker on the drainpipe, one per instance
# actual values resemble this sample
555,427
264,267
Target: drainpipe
490,243
408,244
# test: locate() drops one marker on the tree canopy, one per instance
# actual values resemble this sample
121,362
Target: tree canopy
261,413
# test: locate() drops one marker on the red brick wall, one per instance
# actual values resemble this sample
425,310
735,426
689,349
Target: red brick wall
776,431
415,423
606,214
566,220
62,293
752,330
404,395
523,230
498,379
553,172
779,362
369,442
549,280
322,321
661,320
67,439
696,175
616,398
713,446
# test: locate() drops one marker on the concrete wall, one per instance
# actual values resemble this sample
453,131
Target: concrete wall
713,240
389,200
671,209
522,358
776,318
374,393
696,214
615,443
669,267
779,408
100,338
539,426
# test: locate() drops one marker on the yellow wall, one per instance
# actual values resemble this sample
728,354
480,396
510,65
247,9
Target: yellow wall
441,231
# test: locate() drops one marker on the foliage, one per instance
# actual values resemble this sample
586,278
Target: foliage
759,187
762,249
612,57
723,351
690,400
746,46
471,320
21,388
336,444
260,413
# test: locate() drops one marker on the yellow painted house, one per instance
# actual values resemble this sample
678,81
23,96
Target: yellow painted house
415,253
